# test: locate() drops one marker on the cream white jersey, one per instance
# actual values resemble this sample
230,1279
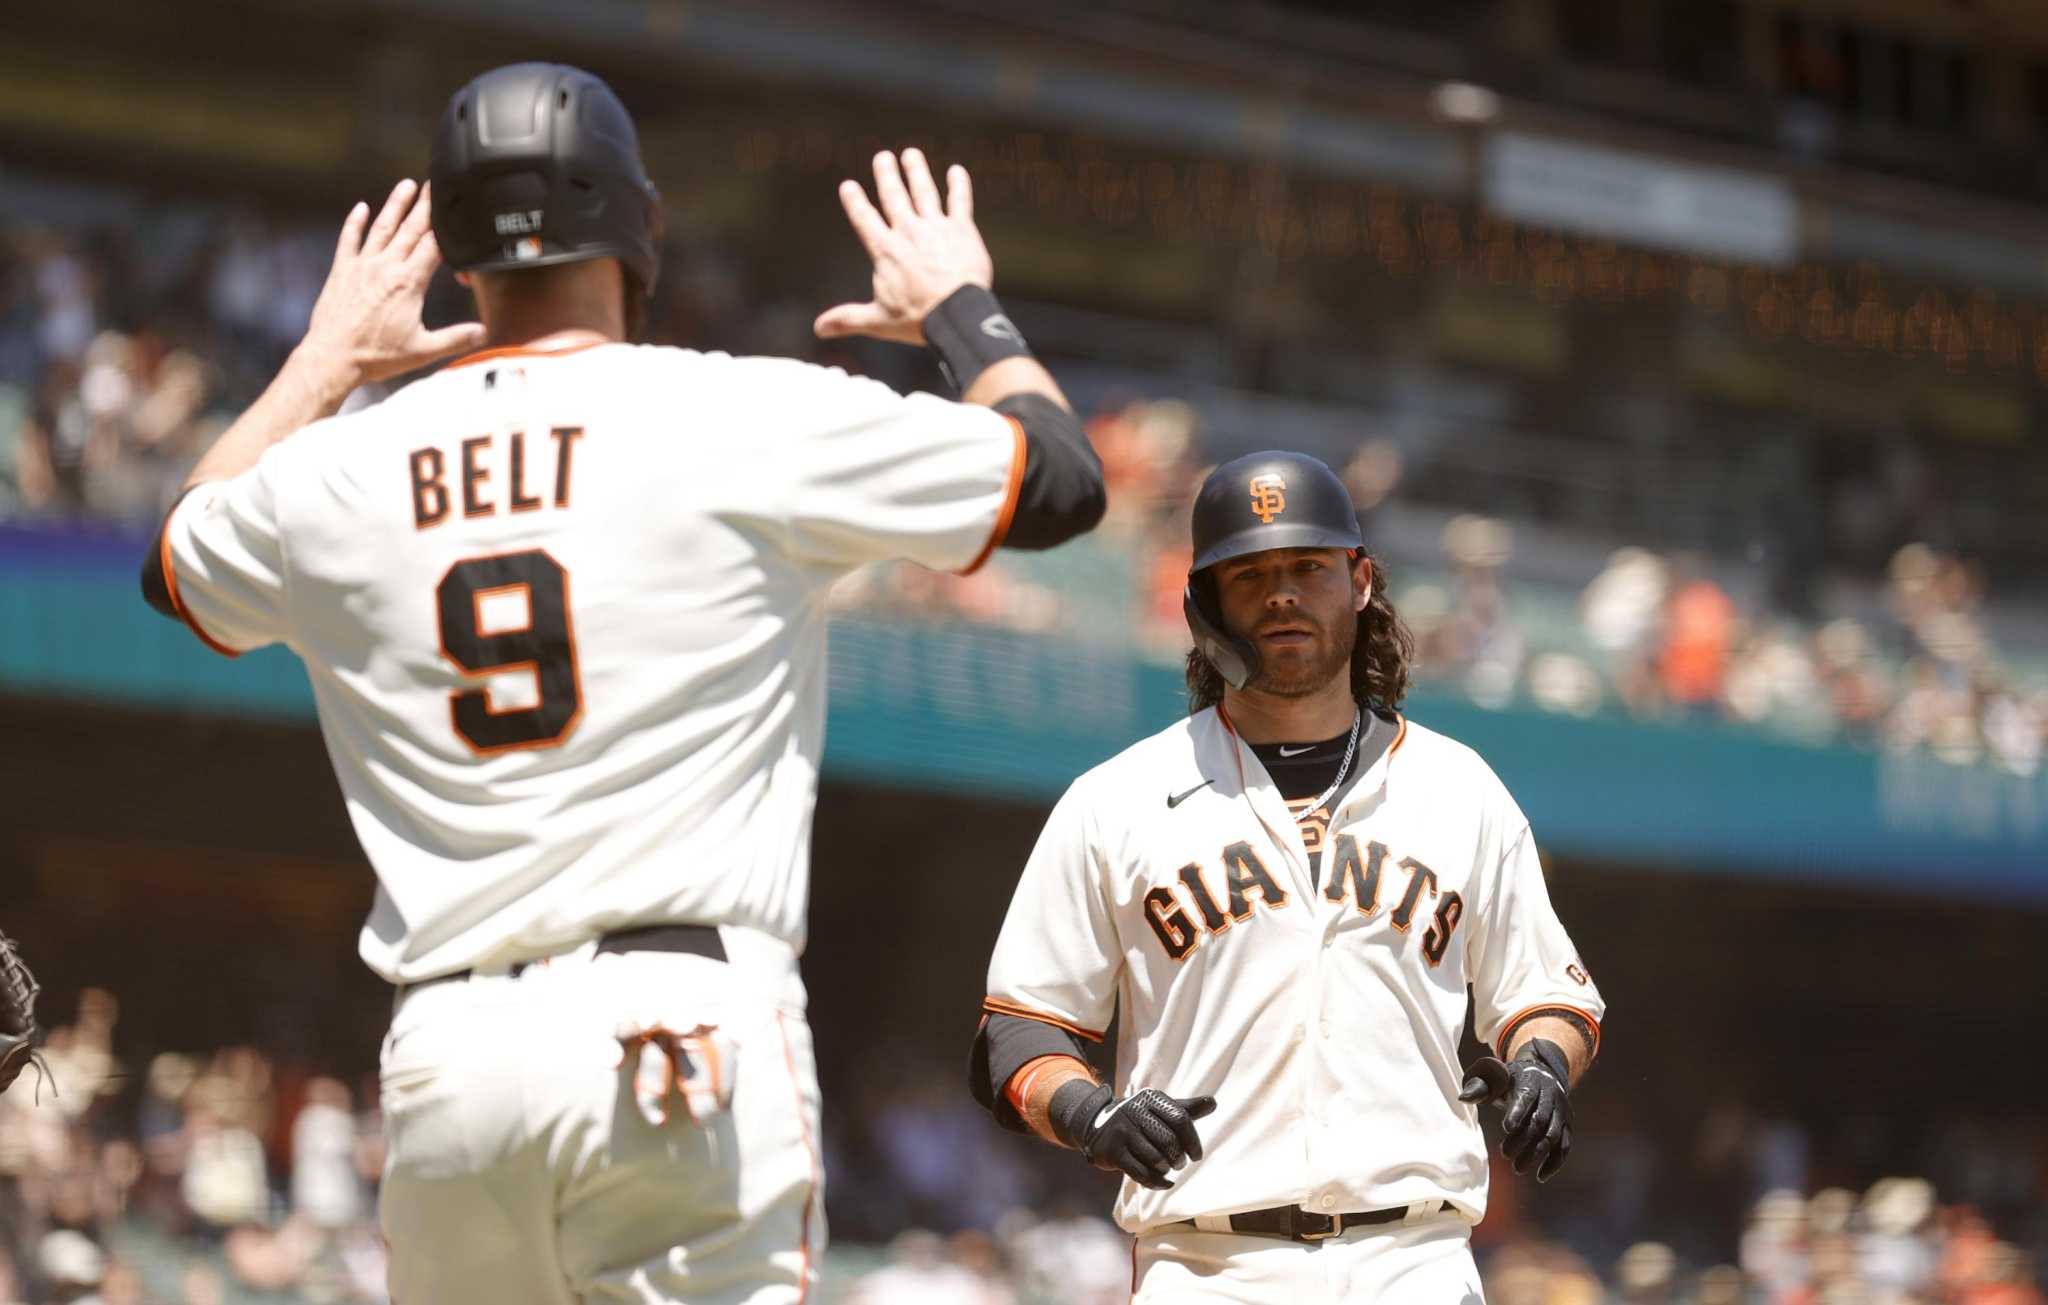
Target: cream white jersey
1172,886
564,618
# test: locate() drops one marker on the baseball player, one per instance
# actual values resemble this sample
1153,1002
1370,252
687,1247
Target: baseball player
1285,897
562,605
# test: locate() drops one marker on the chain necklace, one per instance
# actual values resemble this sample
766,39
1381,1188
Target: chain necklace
1343,767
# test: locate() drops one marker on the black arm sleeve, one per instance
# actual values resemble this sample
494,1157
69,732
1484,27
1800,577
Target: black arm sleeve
1063,494
1005,1044
156,586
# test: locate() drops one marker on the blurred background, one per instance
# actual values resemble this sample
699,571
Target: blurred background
1687,359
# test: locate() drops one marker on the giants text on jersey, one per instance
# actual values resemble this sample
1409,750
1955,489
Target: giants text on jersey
1322,1011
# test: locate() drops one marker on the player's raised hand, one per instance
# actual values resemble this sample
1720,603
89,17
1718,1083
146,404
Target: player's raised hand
367,319
923,248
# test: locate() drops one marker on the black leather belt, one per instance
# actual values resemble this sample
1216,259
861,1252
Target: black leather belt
692,939
1299,1225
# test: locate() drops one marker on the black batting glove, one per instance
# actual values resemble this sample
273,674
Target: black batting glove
1534,1089
1145,1136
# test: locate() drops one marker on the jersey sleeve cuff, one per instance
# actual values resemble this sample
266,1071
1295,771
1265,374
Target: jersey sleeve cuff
1587,1023
1013,489
999,1006
168,562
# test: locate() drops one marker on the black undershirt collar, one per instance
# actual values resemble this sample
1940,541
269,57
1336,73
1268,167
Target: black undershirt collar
1302,771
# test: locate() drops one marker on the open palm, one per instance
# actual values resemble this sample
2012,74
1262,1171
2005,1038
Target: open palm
923,249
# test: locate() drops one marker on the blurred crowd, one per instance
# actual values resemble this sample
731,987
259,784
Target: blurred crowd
1664,638
126,347
124,352
241,1175
1907,662
201,1180
1893,1245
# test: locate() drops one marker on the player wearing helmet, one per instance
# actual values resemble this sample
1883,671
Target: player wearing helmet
1284,899
562,607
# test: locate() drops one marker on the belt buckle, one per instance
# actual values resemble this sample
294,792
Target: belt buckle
1312,1227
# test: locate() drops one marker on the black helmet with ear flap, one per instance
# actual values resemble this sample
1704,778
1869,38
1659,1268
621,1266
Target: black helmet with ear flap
1261,501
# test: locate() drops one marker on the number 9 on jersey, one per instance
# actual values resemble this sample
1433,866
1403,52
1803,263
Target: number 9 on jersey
545,647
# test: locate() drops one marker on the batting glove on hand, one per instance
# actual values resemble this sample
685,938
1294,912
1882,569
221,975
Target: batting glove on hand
1145,1136
1534,1088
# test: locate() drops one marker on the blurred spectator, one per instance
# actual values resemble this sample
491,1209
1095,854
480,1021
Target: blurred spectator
72,1266
1774,1244
324,1184
1478,641
921,1273
1699,628
1894,1257
1647,1275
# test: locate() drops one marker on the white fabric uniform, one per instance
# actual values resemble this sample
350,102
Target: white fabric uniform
1324,1017
563,614
1428,1262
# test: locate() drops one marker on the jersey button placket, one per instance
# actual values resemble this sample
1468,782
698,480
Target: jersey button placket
1312,1065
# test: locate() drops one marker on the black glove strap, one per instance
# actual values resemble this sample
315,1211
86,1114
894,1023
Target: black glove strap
970,332
1074,1107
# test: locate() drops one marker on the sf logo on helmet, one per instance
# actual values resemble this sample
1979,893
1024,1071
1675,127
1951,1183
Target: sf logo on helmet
1269,497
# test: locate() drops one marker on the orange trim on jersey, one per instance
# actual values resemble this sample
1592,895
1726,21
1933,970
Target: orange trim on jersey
1507,1030
170,571
1400,737
803,1289
1012,490
997,1006
526,351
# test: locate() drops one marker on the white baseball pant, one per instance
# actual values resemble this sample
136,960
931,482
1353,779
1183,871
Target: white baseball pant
1429,1260
521,1166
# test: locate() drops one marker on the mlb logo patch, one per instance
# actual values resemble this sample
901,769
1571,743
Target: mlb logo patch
526,249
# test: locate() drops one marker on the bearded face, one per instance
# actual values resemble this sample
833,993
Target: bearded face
1300,607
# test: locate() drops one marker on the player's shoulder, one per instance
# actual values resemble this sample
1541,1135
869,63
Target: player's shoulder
752,369
1155,759
1444,758
768,384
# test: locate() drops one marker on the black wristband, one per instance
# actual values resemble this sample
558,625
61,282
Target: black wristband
970,332
1074,1107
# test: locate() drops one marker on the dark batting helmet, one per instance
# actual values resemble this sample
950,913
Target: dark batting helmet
536,164
1262,501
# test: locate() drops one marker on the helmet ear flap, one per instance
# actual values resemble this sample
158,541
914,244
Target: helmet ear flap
1236,659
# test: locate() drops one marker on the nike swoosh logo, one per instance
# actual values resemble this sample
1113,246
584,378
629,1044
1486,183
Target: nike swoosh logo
1286,751
1174,800
999,326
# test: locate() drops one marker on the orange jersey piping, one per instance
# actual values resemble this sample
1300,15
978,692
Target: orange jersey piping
997,1006
523,351
1013,489
164,560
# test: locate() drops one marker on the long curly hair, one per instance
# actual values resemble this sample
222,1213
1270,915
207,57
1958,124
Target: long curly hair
1379,657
